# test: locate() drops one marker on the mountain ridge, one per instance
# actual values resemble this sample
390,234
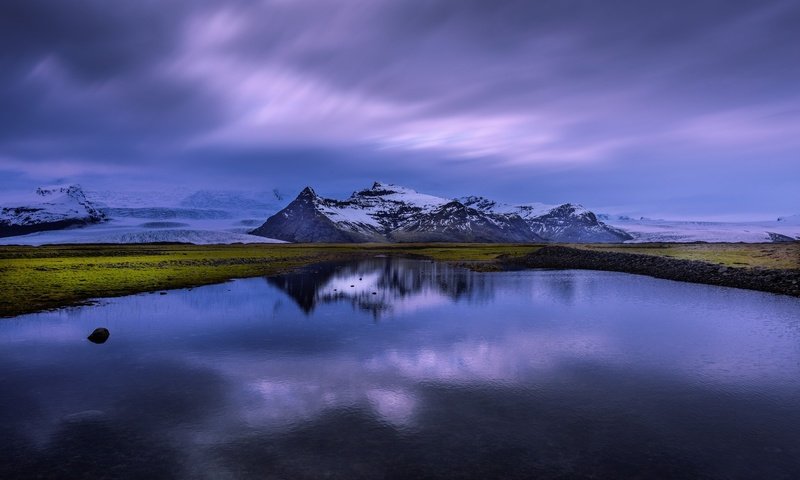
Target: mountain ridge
393,213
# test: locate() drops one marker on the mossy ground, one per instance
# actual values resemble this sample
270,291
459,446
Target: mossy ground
40,278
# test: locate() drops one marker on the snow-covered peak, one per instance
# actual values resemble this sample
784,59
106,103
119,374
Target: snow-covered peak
51,204
397,193
571,209
525,210
390,187
534,209
61,194
479,203
53,196
308,192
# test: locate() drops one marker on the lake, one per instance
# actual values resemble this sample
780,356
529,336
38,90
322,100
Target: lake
395,368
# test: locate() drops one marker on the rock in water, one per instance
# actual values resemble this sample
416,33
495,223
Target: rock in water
99,335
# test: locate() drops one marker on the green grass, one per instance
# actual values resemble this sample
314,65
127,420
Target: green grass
40,278
744,255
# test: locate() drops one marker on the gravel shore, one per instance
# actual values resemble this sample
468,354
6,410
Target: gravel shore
786,282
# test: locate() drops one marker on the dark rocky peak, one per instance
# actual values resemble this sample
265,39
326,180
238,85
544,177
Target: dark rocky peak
307,192
479,203
307,196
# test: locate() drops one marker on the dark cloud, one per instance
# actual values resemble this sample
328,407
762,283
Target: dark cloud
94,40
513,90
86,75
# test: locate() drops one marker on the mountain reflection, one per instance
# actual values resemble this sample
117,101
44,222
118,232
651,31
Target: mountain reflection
530,374
383,285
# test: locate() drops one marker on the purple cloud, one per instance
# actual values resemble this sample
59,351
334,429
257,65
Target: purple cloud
648,103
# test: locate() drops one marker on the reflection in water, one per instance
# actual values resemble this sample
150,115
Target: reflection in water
381,285
535,374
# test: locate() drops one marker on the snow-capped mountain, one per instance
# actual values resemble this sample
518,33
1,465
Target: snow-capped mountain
382,213
382,285
147,216
556,223
391,213
52,208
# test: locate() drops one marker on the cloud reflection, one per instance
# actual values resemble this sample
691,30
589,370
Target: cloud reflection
498,373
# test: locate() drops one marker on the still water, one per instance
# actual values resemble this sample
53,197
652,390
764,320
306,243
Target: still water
394,368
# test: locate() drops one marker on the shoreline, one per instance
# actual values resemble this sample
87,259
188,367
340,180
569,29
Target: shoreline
37,279
779,281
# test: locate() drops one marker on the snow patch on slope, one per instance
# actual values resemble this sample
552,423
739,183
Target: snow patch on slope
366,208
524,210
396,193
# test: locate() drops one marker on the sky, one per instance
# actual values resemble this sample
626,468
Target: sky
684,108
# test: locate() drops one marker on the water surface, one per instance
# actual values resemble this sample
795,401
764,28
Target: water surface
395,368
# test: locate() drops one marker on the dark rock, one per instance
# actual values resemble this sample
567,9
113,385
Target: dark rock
99,335
780,238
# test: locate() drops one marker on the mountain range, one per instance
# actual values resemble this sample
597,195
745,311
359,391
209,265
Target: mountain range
381,213
392,213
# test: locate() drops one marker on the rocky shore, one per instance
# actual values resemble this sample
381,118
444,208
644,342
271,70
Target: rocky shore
786,282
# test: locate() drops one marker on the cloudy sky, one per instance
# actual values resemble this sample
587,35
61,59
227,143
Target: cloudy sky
682,108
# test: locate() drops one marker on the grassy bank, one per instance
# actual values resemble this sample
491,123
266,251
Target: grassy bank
40,278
